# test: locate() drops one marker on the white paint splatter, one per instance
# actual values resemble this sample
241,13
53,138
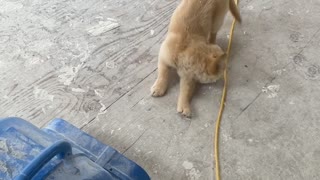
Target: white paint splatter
78,90
142,102
31,59
103,26
110,65
274,88
68,74
271,90
152,32
99,17
192,172
291,102
43,110
42,94
149,152
36,61
290,12
102,109
250,7
138,150
111,131
225,137
96,91
187,165
279,72
111,19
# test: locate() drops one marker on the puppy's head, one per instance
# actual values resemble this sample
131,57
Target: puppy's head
216,61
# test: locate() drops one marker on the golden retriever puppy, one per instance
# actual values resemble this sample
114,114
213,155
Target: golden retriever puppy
188,48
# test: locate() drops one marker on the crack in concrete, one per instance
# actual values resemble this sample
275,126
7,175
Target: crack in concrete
134,142
120,97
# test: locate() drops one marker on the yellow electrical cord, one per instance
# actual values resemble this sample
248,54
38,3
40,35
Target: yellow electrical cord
223,99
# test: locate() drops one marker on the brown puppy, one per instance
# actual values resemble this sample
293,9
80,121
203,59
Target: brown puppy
188,47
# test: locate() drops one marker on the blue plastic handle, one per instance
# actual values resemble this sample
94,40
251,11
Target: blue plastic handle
61,148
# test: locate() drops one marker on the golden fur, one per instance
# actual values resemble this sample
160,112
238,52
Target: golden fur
189,47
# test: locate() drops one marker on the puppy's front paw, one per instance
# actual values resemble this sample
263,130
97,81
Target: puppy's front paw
185,110
158,90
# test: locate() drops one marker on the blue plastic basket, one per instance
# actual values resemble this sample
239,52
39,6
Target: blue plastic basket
59,151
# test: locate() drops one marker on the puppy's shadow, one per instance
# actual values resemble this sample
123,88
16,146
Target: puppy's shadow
173,79
223,43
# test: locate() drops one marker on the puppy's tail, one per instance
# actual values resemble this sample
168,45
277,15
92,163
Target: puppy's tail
234,10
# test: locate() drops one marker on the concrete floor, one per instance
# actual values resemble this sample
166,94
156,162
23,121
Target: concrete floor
93,62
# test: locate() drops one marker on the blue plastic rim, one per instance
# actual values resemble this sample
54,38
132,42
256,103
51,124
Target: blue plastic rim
44,149
61,148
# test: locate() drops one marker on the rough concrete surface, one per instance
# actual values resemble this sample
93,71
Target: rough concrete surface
93,62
